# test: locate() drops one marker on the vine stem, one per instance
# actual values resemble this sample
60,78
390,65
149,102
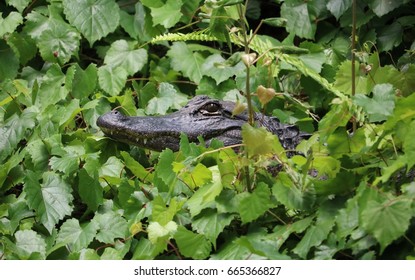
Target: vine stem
354,56
242,23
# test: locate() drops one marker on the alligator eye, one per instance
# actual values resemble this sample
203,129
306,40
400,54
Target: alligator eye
210,109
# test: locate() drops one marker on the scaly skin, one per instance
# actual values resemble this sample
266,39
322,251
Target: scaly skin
202,116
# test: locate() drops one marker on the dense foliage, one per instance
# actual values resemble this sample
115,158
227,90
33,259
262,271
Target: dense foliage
68,192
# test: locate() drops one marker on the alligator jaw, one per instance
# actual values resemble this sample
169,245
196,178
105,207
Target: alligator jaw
160,132
201,117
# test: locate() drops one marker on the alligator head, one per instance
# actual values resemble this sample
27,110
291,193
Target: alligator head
202,116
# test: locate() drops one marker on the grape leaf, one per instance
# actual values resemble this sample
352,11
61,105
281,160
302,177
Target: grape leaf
160,234
298,15
163,214
409,145
112,80
136,168
9,65
125,55
192,245
14,130
338,7
211,224
51,199
110,226
20,5
94,19
10,23
76,236
381,105
290,195
389,36
253,205
259,141
168,14
84,81
167,97
386,219
344,77
140,25
28,242
205,196
90,190
215,67
186,61
59,43
382,7
51,88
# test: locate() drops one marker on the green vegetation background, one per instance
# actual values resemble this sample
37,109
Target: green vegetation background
68,192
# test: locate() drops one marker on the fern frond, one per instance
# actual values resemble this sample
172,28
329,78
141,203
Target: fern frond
194,36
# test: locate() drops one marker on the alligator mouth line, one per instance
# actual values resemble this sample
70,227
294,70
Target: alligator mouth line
201,117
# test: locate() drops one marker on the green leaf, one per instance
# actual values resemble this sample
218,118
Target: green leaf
389,36
10,23
211,224
338,116
51,88
386,219
192,245
160,234
290,195
344,77
164,170
299,20
193,176
23,46
232,250
110,226
215,66
140,25
381,105
338,7
74,235
125,55
84,81
403,112
29,242
284,231
318,232
111,168
186,61
59,43
163,214
20,5
14,130
51,199
382,7
253,205
66,164
112,80
94,19
9,65
168,14
145,250
136,168
205,196
409,145
259,141
167,97
90,190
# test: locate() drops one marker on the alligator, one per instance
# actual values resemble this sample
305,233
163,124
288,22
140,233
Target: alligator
201,117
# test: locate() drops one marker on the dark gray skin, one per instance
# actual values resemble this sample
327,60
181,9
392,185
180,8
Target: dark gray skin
202,116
